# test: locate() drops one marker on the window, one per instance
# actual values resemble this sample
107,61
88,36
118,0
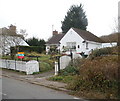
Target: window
71,45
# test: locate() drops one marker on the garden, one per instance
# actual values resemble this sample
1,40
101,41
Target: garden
46,63
95,77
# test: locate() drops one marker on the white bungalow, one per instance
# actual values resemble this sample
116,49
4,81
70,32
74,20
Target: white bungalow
75,40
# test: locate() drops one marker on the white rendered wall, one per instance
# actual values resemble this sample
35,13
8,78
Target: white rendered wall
109,44
92,46
71,36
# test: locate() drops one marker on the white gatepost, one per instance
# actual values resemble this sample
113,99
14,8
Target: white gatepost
56,68
32,66
64,61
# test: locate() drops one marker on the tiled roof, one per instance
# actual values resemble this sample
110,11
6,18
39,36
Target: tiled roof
86,35
55,39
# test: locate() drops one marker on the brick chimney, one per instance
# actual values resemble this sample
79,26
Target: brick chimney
12,29
55,32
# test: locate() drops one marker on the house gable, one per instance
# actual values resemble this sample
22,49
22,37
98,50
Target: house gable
71,38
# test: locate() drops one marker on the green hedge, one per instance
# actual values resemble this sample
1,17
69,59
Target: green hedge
38,49
102,51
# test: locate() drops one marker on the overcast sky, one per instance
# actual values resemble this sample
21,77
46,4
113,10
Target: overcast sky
38,16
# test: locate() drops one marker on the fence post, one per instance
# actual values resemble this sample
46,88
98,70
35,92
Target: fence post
56,68
15,64
58,64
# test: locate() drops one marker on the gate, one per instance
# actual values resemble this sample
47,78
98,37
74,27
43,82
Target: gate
64,61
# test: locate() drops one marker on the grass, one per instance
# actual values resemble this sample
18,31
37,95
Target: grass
44,67
64,79
6,57
44,57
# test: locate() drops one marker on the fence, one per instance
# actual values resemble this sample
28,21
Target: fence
29,67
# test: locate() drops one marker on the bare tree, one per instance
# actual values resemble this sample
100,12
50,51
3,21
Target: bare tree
9,41
23,32
16,41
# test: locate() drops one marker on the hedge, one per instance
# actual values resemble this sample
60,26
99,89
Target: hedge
38,49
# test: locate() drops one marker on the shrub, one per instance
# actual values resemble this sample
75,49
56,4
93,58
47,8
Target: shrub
75,83
106,65
38,49
101,52
99,74
73,67
69,70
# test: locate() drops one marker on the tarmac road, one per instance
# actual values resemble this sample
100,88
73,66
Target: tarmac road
14,89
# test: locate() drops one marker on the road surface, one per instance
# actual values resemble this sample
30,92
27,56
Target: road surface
14,89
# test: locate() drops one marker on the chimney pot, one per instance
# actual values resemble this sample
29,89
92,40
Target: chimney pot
55,32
